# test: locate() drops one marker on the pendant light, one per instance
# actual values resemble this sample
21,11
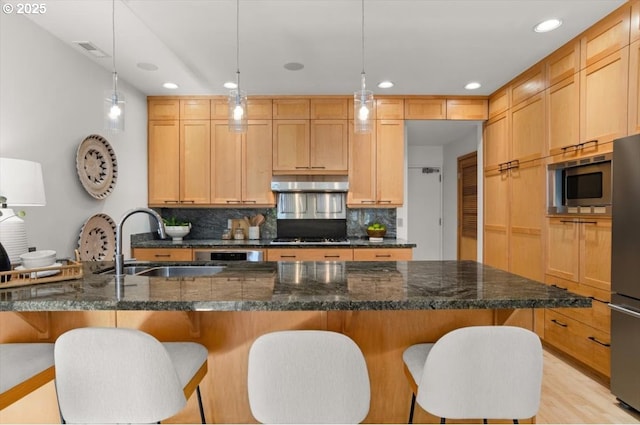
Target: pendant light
237,97
363,98
113,100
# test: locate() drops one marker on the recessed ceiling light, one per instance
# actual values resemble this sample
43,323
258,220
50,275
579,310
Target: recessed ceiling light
169,85
230,85
385,84
147,66
548,25
472,85
293,66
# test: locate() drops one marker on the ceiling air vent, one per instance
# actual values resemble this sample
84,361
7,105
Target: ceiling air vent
89,47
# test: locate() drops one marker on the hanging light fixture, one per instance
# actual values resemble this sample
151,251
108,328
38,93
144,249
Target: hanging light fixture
113,100
237,97
363,98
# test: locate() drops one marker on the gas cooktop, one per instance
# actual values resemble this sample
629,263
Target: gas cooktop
309,241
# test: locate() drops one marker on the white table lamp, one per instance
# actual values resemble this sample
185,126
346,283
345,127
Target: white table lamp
21,184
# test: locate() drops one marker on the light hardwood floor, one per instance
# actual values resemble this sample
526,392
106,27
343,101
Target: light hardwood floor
571,395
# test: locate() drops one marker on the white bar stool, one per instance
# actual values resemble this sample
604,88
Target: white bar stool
477,372
115,375
24,367
307,377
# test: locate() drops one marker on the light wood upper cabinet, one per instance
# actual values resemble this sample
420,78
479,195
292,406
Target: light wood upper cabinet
425,109
528,138
257,109
195,165
389,108
499,102
527,84
497,149
329,146
603,98
291,143
606,37
329,108
164,162
241,171
635,21
163,109
376,170
563,63
291,109
195,109
467,109
634,87
563,116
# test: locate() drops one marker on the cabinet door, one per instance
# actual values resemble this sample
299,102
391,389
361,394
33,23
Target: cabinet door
563,248
195,109
496,141
526,209
607,36
499,103
467,109
603,109
634,86
162,254
226,160
164,162
390,162
195,161
291,109
563,103
163,109
257,164
563,63
496,219
362,168
329,108
329,146
528,139
425,109
389,109
595,253
290,145
310,254
382,254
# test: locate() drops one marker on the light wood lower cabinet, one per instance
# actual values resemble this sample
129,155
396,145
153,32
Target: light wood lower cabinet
162,254
382,254
309,254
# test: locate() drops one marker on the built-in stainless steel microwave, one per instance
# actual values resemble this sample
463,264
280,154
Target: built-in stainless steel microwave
580,186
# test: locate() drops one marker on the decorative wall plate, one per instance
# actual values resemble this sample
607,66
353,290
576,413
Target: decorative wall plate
97,239
97,166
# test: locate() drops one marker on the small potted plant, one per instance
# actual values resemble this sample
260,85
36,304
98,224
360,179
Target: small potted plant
176,228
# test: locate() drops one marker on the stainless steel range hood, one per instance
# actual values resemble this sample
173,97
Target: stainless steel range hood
310,186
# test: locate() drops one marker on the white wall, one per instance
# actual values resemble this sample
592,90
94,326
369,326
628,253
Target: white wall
50,101
451,152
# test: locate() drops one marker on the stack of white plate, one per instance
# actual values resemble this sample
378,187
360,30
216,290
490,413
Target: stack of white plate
13,235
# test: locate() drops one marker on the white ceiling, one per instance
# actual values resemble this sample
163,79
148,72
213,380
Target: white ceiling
424,46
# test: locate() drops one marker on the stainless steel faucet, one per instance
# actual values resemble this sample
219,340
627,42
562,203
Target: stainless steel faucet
119,256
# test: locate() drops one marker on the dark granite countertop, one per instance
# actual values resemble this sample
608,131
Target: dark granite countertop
289,286
264,243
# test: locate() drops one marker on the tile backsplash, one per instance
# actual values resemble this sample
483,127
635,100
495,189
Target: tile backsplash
209,223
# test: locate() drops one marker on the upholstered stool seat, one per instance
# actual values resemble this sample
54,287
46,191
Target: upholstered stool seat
24,367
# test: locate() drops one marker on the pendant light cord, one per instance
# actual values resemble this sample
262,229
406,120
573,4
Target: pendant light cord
362,74
238,44
113,45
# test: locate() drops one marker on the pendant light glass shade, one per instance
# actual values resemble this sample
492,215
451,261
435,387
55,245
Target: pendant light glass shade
363,98
113,109
237,111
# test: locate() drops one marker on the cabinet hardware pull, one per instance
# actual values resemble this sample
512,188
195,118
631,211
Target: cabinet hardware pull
559,287
514,164
574,147
599,300
557,322
331,256
171,202
382,201
162,255
588,222
367,202
319,167
287,256
229,201
301,168
595,141
570,221
594,339
251,201
188,201
383,255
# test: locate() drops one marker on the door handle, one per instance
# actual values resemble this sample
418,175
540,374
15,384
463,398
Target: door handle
623,310
594,339
559,323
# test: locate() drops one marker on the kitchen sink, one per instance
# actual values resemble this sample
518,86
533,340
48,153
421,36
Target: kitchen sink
169,271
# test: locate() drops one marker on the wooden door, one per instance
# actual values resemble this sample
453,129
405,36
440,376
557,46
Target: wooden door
390,162
164,162
526,209
563,248
563,116
226,161
291,145
595,253
497,149
329,146
528,139
603,98
257,164
468,207
496,219
195,161
362,168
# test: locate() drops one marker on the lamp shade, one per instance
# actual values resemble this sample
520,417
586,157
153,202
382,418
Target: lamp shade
21,182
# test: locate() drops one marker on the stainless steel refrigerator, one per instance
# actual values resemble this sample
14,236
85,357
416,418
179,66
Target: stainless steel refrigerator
625,272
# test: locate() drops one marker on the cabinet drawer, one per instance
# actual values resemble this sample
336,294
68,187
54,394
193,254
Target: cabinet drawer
163,254
589,345
382,254
310,254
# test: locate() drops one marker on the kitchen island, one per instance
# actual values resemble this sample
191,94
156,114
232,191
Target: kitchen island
383,306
